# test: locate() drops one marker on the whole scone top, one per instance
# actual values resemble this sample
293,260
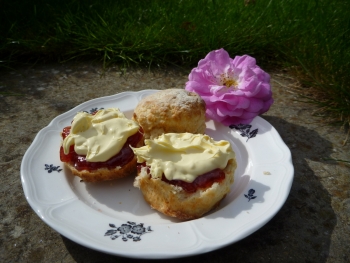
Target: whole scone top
171,111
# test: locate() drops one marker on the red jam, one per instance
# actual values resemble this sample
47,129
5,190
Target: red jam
120,159
65,132
203,181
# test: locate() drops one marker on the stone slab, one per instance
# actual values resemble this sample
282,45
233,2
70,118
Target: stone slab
312,226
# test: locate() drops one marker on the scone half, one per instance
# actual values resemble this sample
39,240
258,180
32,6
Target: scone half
174,201
96,147
184,175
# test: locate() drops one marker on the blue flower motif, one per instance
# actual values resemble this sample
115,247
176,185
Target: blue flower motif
131,230
250,195
50,168
93,110
138,229
245,130
124,228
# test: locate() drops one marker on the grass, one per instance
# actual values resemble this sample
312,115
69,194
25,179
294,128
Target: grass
310,37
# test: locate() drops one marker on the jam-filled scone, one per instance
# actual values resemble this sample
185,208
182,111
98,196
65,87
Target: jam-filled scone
170,110
184,175
96,147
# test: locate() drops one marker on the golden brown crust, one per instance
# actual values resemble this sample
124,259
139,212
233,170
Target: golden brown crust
170,111
175,202
104,174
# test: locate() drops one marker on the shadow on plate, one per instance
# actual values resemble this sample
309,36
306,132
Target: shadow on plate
226,210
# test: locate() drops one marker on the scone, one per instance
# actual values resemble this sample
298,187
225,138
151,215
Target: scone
96,147
184,175
170,111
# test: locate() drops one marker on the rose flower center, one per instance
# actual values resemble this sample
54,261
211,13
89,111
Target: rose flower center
228,81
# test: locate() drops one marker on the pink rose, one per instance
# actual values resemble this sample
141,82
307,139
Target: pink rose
235,90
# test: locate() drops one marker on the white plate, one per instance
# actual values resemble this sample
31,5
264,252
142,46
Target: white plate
88,213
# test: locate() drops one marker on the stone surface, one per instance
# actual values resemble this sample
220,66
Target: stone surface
312,226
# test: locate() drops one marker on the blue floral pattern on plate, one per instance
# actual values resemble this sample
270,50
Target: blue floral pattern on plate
131,231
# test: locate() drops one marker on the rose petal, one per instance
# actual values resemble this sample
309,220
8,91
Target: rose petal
222,109
235,120
255,106
219,61
201,76
266,106
264,92
211,114
244,61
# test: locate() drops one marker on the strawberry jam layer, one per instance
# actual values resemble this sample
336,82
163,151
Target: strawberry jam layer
203,181
120,159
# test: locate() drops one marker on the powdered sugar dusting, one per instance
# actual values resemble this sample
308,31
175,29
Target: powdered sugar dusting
179,98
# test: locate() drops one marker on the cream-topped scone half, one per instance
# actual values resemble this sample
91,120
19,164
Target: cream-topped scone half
184,175
96,147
